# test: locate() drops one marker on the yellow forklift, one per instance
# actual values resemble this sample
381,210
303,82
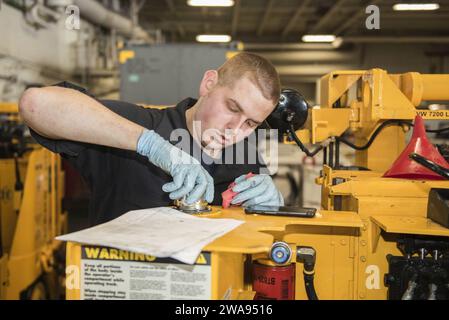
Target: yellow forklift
31,215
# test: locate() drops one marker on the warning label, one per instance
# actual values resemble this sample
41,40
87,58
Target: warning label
114,274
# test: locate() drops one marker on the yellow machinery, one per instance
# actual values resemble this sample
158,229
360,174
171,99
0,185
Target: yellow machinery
388,208
31,191
370,231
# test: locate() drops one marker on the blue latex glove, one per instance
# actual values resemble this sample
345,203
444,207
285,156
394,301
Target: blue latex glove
189,177
257,190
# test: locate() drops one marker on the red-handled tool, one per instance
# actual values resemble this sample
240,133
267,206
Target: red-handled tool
229,195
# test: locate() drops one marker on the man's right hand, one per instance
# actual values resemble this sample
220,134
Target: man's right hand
189,177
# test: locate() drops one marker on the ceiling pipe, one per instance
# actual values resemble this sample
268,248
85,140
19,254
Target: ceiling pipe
351,39
98,14
286,57
40,16
385,39
287,46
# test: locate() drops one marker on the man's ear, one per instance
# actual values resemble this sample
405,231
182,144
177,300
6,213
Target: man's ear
210,80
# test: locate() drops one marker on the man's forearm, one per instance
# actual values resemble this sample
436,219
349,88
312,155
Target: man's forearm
61,113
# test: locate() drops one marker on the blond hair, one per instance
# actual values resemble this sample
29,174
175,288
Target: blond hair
259,70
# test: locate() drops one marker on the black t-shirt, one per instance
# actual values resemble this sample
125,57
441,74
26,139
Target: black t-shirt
122,180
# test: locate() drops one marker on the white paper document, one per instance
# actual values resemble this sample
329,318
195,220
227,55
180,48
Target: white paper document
160,232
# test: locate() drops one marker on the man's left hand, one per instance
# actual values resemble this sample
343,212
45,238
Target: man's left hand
257,190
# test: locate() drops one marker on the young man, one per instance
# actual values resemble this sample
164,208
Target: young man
125,152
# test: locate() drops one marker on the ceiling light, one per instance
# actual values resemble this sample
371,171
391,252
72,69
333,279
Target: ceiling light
415,6
213,38
210,3
337,42
318,38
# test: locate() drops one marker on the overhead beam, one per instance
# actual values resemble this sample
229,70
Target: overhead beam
355,17
171,5
235,18
223,22
181,30
172,8
398,39
206,25
141,4
135,7
266,15
330,14
287,46
309,56
295,17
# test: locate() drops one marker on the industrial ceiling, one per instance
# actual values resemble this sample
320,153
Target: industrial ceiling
274,21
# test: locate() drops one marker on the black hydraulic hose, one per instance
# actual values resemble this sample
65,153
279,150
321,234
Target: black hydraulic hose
427,130
438,130
385,124
301,145
325,156
373,136
18,185
307,256
343,140
337,155
380,128
310,287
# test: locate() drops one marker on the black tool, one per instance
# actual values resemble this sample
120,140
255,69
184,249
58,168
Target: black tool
430,165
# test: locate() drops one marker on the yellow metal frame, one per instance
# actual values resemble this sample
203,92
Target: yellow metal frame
361,100
6,107
387,207
334,236
30,220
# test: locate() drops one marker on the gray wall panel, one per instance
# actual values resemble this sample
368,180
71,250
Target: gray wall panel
166,74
